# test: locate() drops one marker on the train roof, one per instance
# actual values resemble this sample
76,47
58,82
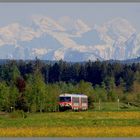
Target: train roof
72,95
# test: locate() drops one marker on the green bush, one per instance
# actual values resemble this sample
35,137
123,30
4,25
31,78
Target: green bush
18,114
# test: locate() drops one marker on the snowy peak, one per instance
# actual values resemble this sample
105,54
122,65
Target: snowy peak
119,28
81,27
72,26
47,23
15,32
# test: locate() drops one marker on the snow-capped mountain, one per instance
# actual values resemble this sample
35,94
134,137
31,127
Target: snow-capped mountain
69,39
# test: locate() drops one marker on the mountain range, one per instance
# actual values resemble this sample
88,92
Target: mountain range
70,40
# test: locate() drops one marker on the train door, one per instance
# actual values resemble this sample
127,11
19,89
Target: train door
75,103
84,103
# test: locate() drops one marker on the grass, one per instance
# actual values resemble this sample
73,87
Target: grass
101,123
113,106
74,119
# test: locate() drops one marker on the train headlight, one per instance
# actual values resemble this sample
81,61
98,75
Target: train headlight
61,105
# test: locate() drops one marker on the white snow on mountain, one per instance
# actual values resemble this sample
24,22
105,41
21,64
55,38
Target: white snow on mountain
47,23
15,32
117,29
59,54
75,27
39,51
81,27
69,39
67,22
120,28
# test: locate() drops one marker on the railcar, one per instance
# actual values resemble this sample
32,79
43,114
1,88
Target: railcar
73,102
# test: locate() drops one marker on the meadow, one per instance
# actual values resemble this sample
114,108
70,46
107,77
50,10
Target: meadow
93,123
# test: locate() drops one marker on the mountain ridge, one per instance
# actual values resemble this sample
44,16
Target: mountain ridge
49,39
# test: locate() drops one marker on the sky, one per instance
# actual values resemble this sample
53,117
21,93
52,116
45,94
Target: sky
91,13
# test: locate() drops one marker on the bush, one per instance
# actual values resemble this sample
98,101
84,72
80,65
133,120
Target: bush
18,114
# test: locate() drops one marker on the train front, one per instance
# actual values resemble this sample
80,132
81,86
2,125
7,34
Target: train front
65,102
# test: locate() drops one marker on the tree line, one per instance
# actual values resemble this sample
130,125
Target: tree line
34,86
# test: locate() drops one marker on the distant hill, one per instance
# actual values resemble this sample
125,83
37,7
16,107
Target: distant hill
135,60
128,61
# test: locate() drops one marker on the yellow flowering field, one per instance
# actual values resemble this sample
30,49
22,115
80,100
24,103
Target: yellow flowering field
113,131
73,124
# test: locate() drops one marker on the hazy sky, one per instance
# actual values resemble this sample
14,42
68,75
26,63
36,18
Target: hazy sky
91,13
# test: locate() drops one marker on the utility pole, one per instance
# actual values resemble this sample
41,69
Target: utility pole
118,103
99,104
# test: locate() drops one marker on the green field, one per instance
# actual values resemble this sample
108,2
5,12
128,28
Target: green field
91,123
114,106
75,119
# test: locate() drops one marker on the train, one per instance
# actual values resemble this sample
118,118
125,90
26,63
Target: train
73,102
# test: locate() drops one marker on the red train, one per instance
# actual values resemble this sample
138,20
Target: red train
73,101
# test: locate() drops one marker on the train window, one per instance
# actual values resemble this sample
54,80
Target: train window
84,100
75,99
65,99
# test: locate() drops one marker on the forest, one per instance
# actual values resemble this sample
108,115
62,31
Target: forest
34,86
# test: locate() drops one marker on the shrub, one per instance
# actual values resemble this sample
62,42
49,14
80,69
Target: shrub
18,114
